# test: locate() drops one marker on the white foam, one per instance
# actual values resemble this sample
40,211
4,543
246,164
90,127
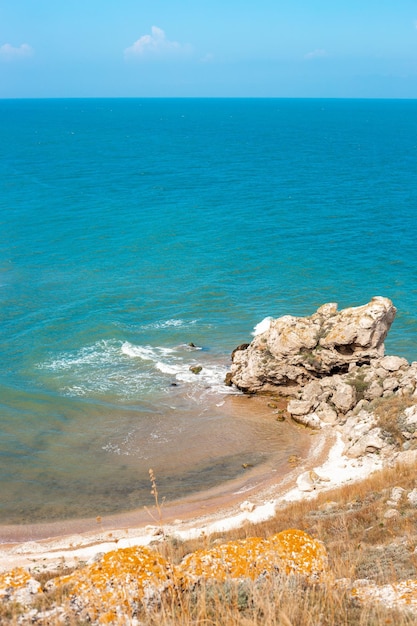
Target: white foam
262,326
176,362
129,371
147,353
167,369
98,353
168,324
100,368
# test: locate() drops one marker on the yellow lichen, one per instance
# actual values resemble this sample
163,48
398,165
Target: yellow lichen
112,587
122,581
18,578
18,584
289,552
300,553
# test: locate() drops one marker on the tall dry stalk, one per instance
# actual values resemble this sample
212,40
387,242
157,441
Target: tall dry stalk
158,505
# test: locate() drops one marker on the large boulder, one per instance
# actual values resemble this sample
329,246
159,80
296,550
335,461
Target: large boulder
292,351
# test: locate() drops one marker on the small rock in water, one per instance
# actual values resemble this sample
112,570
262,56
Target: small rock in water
195,369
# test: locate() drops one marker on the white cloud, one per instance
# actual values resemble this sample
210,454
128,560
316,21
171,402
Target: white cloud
156,46
316,54
9,52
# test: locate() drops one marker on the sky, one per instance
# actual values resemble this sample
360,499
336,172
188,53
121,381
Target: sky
208,48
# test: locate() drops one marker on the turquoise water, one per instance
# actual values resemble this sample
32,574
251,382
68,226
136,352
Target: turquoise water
130,228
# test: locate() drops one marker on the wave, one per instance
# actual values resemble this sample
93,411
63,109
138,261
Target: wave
122,370
179,363
168,324
147,353
262,326
97,370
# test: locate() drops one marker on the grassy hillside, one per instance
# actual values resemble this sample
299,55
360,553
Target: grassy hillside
369,530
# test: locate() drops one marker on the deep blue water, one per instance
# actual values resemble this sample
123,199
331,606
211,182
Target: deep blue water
129,228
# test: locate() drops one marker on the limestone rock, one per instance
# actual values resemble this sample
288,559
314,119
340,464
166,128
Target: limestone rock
247,506
309,481
299,407
367,444
393,363
401,595
19,586
375,390
344,397
293,351
395,498
326,413
390,384
110,590
361,435
311,420
412,497
410,418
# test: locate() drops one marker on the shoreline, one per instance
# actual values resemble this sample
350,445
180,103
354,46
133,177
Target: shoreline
185,520
276,443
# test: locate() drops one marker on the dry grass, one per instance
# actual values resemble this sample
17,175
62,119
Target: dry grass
360,541
275,602
388,412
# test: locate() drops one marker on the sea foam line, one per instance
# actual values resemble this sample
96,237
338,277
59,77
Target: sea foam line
167,324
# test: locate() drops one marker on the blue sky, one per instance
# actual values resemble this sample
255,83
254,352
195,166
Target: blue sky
216,48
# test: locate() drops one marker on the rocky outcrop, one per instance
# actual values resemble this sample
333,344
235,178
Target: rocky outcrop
293,351
122,583
333,369
289,552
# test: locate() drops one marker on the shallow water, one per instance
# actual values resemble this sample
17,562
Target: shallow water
104,469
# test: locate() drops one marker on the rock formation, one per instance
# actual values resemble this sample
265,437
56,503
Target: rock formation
332,368
294,351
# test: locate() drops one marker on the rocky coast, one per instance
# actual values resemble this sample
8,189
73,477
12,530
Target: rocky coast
329,374
333,370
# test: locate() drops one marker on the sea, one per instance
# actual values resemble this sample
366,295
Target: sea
140,238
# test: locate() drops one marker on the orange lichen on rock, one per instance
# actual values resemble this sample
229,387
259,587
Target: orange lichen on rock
113,587
288,552
18,585
300,554
247,558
